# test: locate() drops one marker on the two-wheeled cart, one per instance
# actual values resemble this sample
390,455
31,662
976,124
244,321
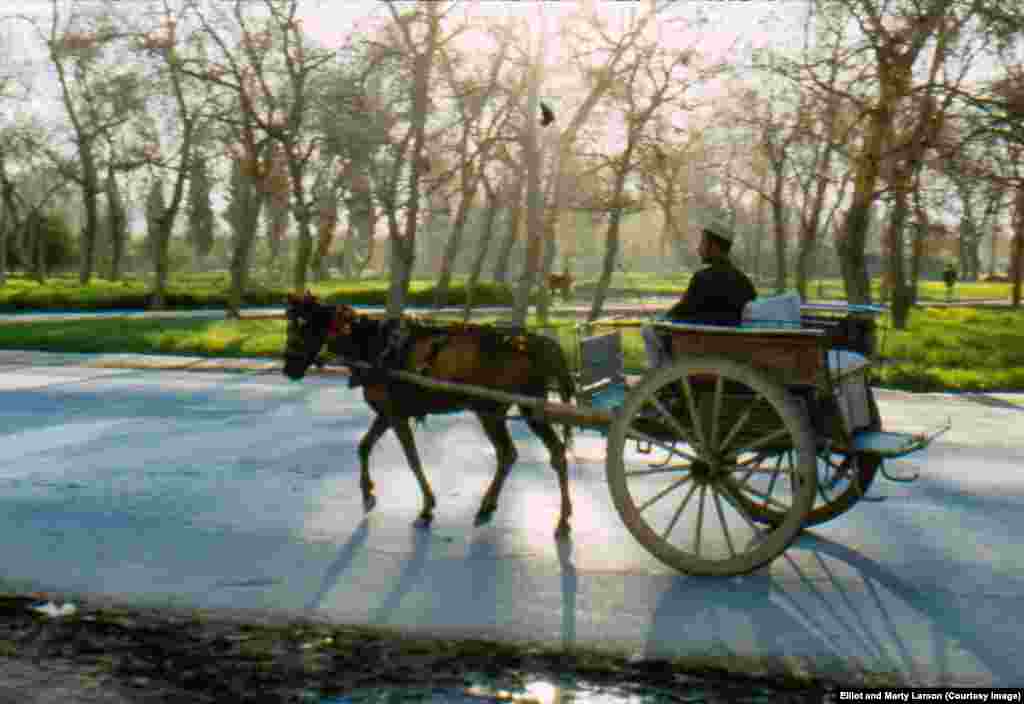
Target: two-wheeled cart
716,461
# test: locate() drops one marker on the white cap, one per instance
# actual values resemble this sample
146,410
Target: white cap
718,229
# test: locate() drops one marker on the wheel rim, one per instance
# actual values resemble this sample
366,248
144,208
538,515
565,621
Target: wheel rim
708,424
842,480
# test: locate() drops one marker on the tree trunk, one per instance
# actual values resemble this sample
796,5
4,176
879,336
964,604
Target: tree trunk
4,224
90,196
534,202
611,254
902,296
852,240
805,259
34,231
779,218
160,263
304,241
451,250
1017,247
515,214
482,247
404,248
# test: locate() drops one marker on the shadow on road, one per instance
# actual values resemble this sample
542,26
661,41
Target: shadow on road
860,607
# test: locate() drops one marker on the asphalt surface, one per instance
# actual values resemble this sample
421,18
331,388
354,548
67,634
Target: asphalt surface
136,478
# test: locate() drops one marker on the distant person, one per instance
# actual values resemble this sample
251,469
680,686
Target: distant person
949,277
716,295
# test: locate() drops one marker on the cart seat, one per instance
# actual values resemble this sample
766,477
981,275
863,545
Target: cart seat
842,363
602,381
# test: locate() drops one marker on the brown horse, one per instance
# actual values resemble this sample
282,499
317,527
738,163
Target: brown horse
561,282
468,354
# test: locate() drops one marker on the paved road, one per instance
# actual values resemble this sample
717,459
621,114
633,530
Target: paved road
239,490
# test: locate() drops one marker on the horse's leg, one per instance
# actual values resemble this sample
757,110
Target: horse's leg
497,432
404,433
379,427
556,448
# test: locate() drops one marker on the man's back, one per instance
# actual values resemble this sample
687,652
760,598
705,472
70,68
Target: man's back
716,295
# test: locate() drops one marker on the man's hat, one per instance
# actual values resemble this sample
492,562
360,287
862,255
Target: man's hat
718,229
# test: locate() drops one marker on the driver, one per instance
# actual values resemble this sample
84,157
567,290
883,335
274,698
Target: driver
716,295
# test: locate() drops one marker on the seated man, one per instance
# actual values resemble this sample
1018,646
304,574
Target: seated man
716,295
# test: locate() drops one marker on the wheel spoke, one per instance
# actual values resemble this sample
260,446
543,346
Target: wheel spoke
679,511
673,422
657,470
764,440
738,426
731,494
725,526
746,465
700,519
651,440
761,495
775,476
715,408
698,426
661,494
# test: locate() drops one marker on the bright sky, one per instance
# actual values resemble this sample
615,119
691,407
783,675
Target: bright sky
751,23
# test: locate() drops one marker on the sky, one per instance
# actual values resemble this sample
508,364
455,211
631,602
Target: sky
746,23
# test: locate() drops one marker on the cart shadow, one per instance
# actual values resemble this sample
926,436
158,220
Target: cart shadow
900,630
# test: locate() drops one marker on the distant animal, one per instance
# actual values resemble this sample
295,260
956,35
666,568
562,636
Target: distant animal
547,115
997,279
561,282
519,362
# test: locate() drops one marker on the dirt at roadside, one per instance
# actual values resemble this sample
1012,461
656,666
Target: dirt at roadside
107,654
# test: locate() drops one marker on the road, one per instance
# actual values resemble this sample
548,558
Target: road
240,491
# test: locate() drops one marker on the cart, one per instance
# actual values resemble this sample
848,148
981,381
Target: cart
717,461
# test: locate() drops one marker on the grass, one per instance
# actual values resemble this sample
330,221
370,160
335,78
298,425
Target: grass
943,349
959,349
210,290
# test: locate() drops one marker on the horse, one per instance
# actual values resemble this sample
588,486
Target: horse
561,282
521,363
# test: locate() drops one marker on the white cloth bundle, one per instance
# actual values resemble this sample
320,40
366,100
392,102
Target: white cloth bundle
772,311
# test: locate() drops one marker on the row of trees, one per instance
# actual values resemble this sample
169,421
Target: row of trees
877,123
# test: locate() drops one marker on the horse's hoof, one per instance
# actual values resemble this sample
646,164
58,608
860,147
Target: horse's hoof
368,503
423,521
483,518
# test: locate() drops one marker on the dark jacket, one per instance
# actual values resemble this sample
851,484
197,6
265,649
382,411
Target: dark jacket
716,295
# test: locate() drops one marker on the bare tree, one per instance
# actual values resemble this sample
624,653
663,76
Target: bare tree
479,128
656,82
96,102
270,71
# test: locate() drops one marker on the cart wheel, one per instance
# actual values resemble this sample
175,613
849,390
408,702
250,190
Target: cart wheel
714,423
843,479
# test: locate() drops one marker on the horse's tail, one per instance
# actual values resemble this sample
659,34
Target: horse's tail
558,369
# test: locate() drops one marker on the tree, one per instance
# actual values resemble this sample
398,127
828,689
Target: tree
472,97
270,71
587,37
162,43
98,100
201,220
116,224
418,33
658,80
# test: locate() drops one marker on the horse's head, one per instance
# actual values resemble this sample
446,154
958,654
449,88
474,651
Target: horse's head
310,324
